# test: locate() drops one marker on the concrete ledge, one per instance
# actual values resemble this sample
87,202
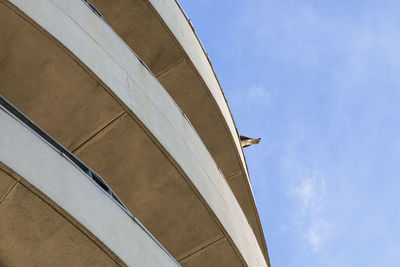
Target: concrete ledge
102,51
180,26
53,175
161,34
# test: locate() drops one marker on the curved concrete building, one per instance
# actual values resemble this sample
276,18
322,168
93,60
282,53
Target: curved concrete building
112,108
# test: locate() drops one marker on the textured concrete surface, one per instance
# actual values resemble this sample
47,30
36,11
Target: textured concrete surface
189,93
157,194
143,122
215,254
34,234
149,39
6,183
30,68
162,37
76,209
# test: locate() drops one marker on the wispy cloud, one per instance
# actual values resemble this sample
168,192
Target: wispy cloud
307,190
308,194
254,95
258,94
311,192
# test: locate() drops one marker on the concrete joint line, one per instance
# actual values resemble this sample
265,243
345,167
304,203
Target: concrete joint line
168,69
230,176
201,247
97,132
8,192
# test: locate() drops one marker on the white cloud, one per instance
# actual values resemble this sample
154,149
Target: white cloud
318,233
309,193
255,95
258,94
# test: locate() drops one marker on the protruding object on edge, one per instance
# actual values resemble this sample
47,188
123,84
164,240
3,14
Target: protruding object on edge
247,141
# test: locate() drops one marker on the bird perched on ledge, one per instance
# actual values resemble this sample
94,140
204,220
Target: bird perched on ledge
247,141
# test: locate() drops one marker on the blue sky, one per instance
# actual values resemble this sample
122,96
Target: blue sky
319,81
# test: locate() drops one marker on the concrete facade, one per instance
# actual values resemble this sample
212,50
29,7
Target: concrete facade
161,35
48,205
148,135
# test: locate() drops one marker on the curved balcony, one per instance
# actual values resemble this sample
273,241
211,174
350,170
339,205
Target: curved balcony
55,210
64,67
162,36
